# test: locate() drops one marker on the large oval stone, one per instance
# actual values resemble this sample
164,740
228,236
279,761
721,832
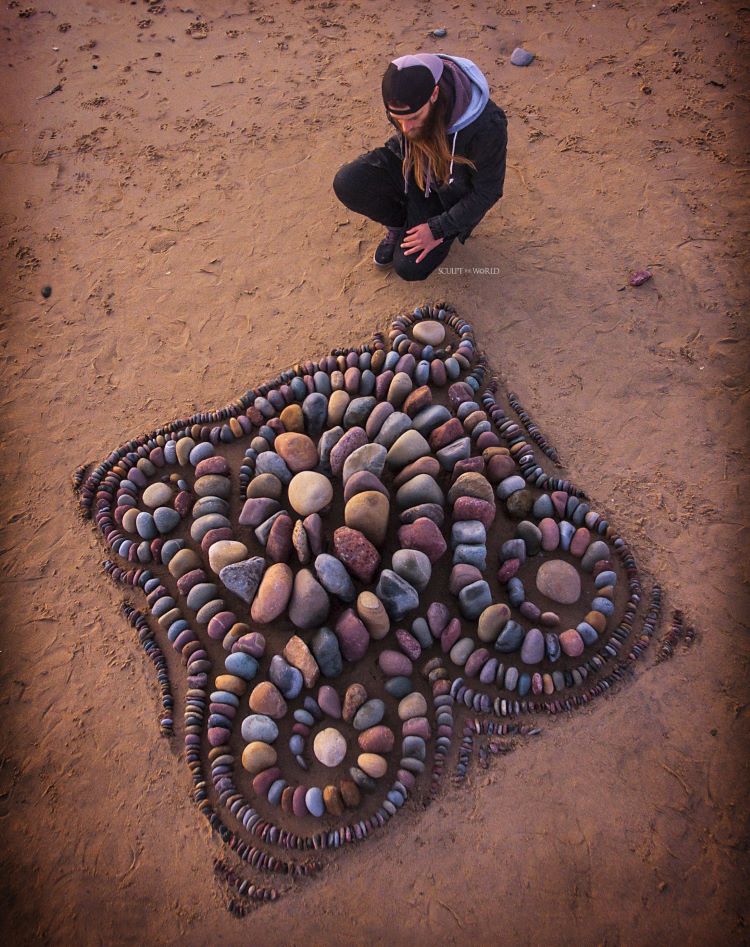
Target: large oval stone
297,451
309,604
267,700
309,492
329,747
368,512
429,332
273,594
226,552
559,581
258,756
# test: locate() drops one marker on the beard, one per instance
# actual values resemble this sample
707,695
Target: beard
427,130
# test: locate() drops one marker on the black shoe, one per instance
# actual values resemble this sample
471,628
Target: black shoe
387,247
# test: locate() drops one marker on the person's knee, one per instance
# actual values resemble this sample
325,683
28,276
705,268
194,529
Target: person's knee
344,184
410,271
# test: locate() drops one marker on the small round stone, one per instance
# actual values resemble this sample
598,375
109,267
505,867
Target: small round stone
258,756
314,801
372,764
571,643
259,727
226,552
532,649
158,494
413,705
309,492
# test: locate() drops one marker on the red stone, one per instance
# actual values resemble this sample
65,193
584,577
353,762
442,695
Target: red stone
438,617
279,545
425,536
212,465
357,553
471,508
508,569
353,636
446,434
450,635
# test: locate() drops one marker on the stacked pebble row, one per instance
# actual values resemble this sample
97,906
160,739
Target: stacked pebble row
533,431
366,418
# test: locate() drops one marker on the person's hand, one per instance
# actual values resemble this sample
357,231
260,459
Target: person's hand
419,238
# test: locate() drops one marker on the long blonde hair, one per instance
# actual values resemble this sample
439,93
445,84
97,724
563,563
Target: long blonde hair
429,154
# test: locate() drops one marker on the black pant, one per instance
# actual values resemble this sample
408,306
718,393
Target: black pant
373,185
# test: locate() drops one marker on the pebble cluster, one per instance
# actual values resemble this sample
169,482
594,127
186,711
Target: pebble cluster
342,558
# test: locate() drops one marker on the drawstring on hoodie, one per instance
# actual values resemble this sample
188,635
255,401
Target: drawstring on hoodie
453,151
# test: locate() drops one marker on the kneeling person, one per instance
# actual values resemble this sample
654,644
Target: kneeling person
437,178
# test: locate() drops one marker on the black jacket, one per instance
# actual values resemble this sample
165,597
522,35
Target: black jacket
472,193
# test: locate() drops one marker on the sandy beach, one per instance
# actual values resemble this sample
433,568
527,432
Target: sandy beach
166,171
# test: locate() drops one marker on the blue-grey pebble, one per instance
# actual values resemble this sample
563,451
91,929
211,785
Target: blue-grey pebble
205,505
543,507
315,410
474,598
328,440
567,531
521,57
603,605
358,411
162,605
166,519
510,485
607,577
415,747
488,672
397,595
513,549
369,714
270,462
170,549
429,418
334,577
259,727
205,523
552,645
421,631
326,651
274,793
393,427
449,456
200,594
312,706
242,665
145,525
399,687
589,634
288,679
470,555
201,452
510,637
468,531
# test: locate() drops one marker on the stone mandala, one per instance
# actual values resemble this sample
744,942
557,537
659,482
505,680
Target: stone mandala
369,571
